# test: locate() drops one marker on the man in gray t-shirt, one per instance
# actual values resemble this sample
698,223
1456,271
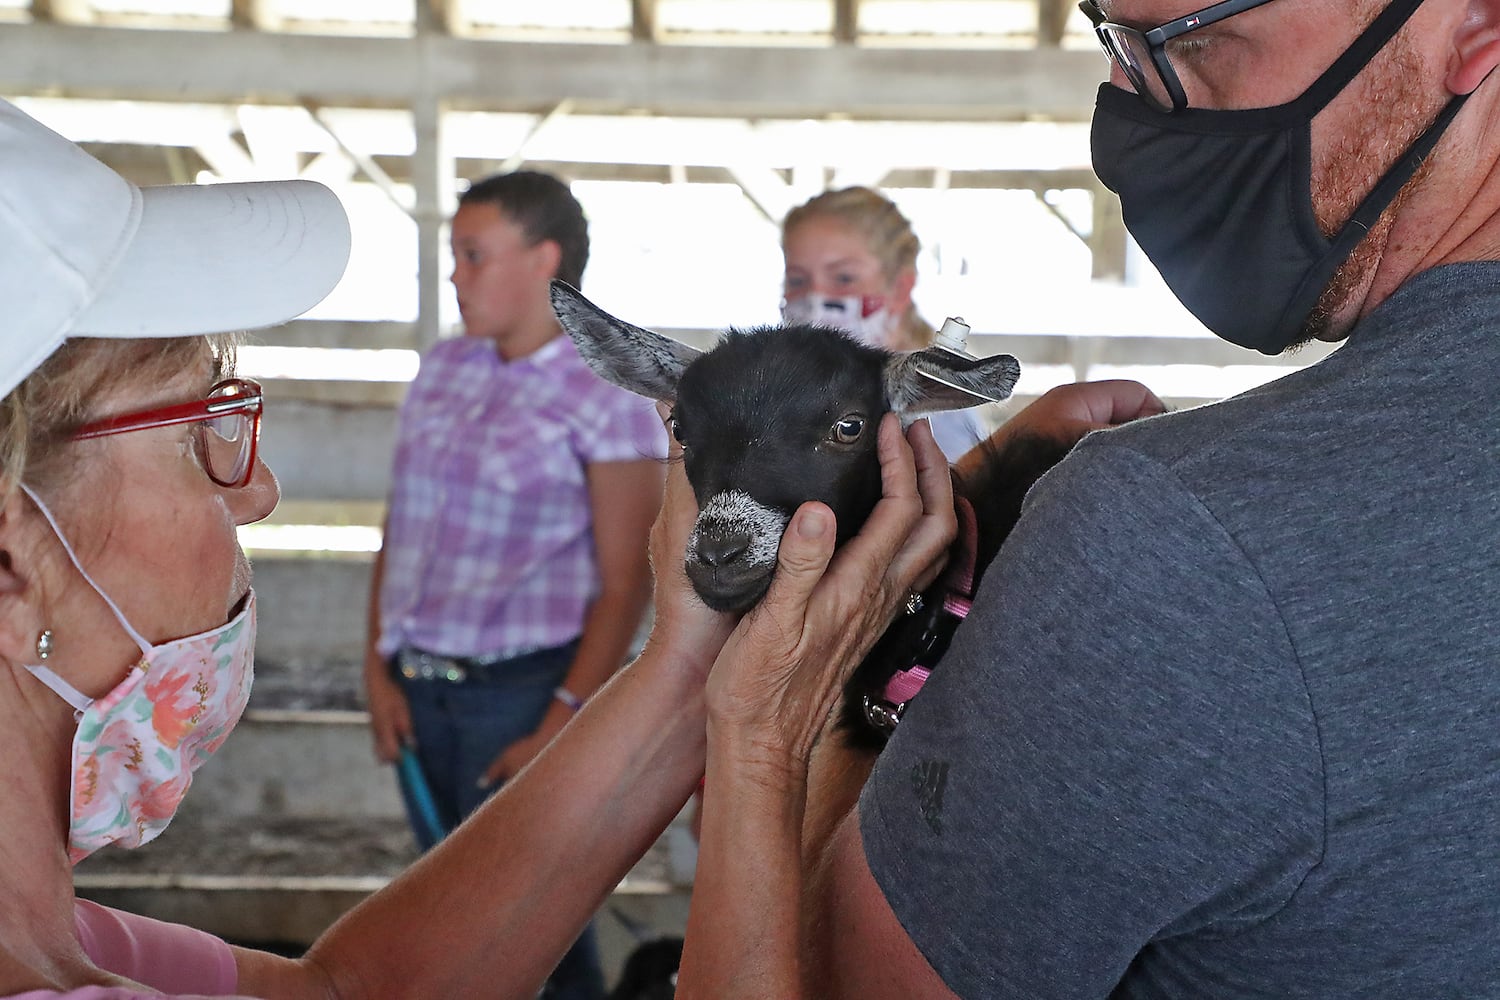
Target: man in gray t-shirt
1225,719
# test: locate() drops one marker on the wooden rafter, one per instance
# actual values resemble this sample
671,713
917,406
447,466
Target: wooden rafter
518,156
451,16
255,15
778,81
62,11
1051,21
846,21
643,22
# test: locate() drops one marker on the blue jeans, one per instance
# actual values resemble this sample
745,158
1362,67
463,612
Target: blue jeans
461,727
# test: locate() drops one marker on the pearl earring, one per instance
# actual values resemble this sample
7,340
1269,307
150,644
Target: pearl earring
44,645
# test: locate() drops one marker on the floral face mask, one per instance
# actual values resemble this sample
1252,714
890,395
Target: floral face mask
136,748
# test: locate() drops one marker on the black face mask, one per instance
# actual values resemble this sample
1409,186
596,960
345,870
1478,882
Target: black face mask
1221,201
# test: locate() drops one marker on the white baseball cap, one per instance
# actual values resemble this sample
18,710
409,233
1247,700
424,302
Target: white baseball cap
86,253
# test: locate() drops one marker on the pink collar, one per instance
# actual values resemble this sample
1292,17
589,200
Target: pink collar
957,587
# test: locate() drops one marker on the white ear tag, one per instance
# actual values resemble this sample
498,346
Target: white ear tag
954,338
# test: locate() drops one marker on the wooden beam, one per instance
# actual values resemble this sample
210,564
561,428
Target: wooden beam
333,334
846,21
772,82
643,21
1007,180
1109,238
255,15
144,165
434,185
365,163
767,191
227,158
1051,21
329,452
266,139
63,11
450,16
518,155
623,143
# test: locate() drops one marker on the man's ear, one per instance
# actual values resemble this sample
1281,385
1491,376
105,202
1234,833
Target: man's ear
20,597
1476,46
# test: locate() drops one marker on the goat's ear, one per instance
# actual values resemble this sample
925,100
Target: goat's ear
643,362
933,380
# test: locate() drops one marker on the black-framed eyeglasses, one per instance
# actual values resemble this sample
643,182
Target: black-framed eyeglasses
228,425
1142,55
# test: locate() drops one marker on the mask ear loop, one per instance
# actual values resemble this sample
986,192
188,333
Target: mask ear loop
135,636
62,689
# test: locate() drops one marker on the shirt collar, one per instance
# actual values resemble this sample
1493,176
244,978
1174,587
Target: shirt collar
557,349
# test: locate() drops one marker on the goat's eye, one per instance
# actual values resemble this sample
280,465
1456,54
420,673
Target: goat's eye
674,427
848,430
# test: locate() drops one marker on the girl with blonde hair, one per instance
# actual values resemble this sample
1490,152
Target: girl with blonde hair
851,263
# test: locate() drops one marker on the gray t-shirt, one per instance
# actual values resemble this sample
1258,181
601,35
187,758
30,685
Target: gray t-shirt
1225,720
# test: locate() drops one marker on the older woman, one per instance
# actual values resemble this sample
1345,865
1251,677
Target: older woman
127,459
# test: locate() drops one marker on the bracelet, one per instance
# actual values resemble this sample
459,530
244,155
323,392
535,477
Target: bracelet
568,698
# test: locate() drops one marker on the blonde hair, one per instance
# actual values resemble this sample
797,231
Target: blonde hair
39,415
887,233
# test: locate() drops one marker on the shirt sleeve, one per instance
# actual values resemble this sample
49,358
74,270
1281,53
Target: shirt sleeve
167,957
956,431
620,426
427,388
1118,747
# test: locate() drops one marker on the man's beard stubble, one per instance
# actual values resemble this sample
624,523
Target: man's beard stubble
1353,168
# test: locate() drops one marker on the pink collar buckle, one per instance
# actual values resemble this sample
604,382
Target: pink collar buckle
885,712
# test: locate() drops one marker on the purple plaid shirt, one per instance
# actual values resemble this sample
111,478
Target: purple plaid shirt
489,547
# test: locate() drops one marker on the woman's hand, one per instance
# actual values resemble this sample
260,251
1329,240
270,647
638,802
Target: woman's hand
782,670
684,629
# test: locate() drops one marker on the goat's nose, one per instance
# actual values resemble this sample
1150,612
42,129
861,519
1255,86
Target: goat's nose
722,550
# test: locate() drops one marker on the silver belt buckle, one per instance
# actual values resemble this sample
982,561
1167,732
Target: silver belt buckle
416,664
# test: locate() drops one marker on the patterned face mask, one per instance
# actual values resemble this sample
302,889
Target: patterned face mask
865,318
136,748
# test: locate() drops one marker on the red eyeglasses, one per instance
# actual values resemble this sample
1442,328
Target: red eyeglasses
228,422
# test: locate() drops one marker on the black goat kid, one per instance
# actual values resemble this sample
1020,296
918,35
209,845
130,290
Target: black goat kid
773,417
